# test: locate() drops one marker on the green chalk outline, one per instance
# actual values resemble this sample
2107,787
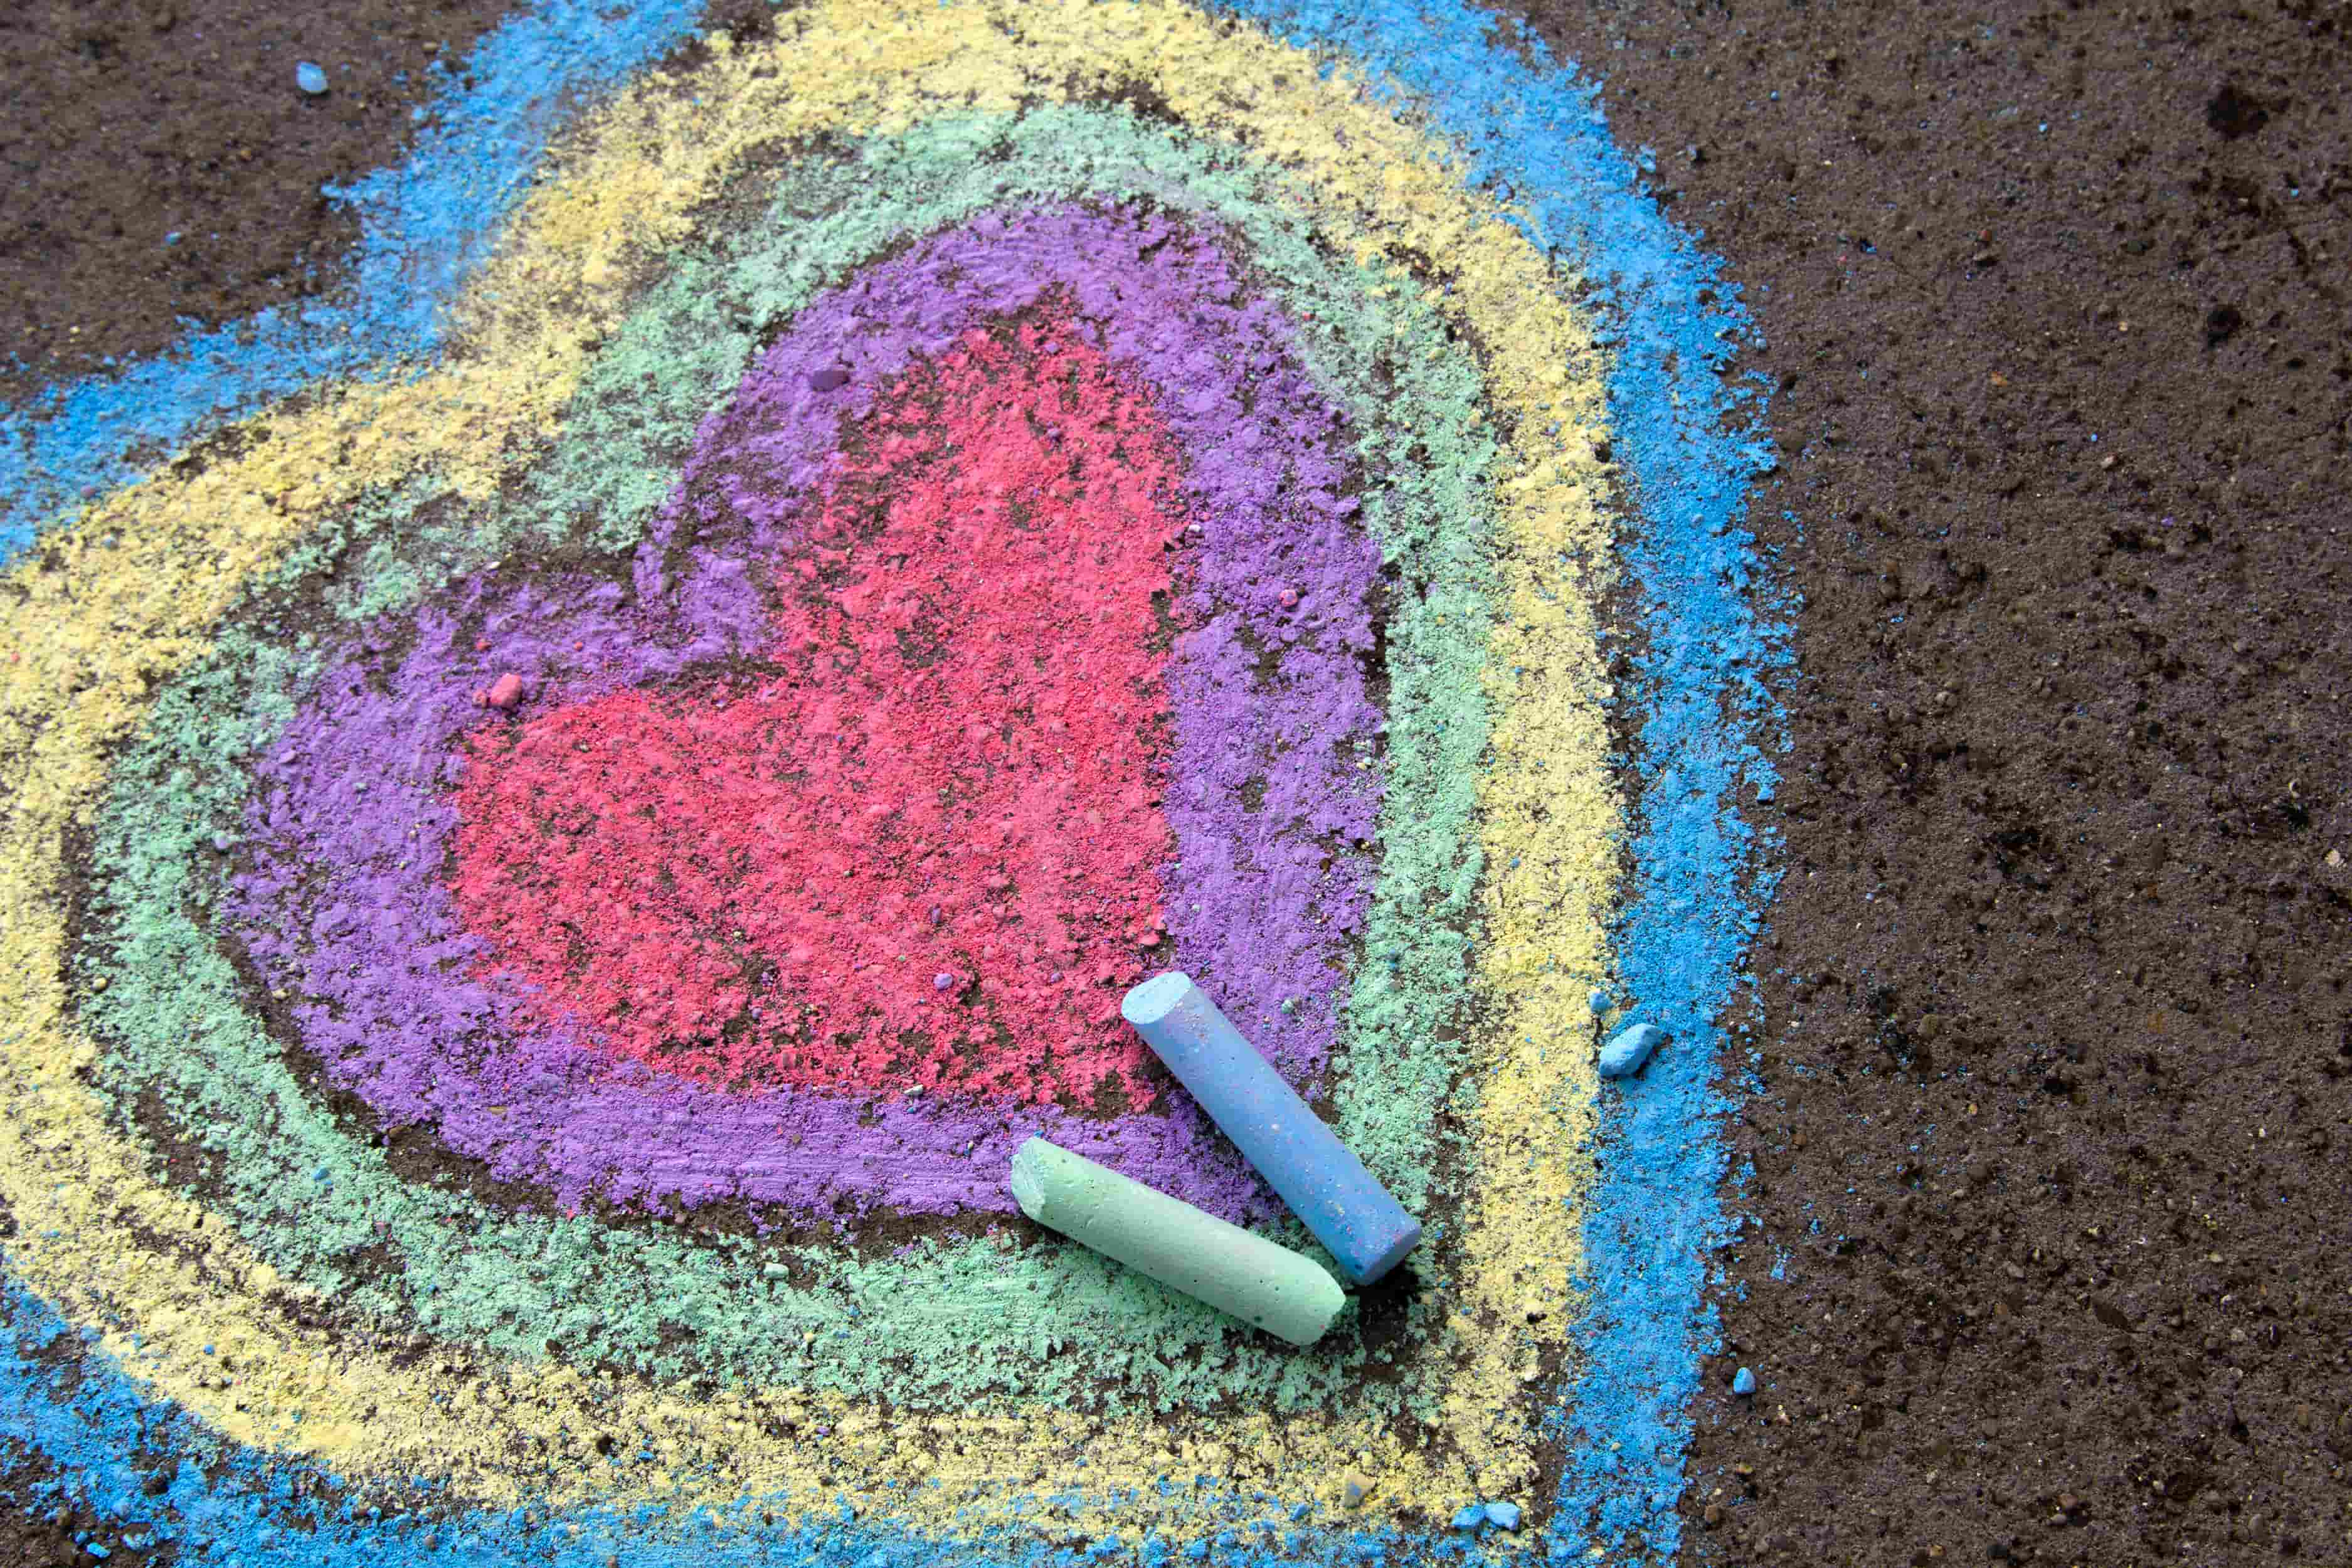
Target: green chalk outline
510,1283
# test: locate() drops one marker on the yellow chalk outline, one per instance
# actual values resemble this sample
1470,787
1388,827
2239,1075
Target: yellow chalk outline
127,594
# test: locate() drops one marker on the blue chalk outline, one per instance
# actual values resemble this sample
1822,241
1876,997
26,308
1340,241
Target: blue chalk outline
1698,884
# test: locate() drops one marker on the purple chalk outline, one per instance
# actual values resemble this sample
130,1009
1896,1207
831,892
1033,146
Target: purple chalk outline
352,812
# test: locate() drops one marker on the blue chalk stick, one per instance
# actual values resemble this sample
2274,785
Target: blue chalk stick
1365,1229
1628,1049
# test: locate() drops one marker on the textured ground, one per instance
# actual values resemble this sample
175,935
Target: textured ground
160,168
2046,1129
2044,1258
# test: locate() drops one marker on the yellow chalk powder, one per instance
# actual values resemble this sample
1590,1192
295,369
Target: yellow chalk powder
129,593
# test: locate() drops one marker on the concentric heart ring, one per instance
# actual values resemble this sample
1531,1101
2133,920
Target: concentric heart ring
978,505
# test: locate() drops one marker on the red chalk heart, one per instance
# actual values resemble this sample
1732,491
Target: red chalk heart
946,769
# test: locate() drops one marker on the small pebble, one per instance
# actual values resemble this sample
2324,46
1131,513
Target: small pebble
1354,1487
1628,1049
1290,598
832,378
309,79
942,981
1470,1518
223,842
1504,1514
1743,1382
505,691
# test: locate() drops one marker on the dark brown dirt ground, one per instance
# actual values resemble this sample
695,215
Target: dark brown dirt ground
2055,1107
2047,1160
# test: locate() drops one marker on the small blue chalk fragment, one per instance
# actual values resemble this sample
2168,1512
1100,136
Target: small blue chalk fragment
309,79
1504,1514
1470,1518
1743,1382
1600,1003
1628,1049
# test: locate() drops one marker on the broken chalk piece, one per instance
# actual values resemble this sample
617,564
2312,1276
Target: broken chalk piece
1324,1183
1182,1248
1503,1515
1743,1382
1630,1048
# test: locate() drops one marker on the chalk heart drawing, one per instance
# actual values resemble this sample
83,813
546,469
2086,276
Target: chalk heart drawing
961,711
717,471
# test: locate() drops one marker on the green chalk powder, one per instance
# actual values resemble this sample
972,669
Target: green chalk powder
950,1323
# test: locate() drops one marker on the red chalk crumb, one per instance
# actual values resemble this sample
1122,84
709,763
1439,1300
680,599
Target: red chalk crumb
505,691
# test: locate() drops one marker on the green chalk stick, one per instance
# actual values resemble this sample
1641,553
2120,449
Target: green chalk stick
1185,1249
